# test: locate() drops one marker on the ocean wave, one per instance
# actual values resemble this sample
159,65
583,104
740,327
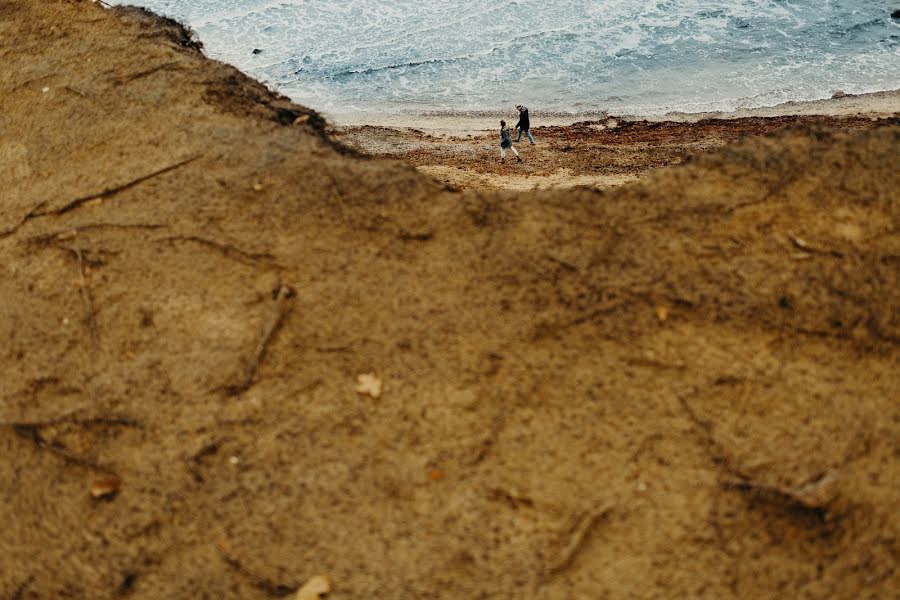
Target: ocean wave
626,55
415,63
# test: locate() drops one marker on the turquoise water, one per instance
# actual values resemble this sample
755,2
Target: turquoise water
626,56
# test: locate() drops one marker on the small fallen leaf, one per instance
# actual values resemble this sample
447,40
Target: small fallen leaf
314,588
257,187
662,312
435,475
369,384
105,488
67,235
820,492
799,242
301,119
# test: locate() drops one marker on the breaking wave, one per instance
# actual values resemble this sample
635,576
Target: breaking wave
637,56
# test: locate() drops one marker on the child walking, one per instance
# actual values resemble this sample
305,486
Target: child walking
506,142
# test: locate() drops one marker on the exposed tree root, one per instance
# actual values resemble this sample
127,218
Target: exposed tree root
282,308
108,192
227,250
90,316
32,432
577,539
264,583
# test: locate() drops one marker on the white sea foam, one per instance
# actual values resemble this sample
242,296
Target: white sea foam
637,56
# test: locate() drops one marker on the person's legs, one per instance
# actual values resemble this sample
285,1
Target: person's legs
528,135
503,153
515,153
518,134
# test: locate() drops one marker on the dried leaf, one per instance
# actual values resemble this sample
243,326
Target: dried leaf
799,242
67,235
105,488
314,588
369,384
819,492
435,475
257,187
662,312
301,119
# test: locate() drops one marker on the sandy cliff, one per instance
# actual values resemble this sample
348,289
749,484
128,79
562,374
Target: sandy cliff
686,387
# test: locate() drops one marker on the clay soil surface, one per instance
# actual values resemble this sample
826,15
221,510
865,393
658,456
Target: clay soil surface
238,354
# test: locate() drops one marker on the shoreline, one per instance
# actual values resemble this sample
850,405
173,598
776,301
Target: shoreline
877,105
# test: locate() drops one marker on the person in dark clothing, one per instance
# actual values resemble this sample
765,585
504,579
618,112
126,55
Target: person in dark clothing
506,143
524,124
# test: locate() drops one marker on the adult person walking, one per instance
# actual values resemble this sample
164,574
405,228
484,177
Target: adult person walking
524,124
506,142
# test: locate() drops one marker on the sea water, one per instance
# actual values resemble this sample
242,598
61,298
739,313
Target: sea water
571,56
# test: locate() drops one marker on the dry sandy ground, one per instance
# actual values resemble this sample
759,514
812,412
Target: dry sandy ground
685,387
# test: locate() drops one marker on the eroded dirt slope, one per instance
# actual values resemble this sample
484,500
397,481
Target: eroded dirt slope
684,388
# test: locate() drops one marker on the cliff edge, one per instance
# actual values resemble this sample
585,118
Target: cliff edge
238,355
